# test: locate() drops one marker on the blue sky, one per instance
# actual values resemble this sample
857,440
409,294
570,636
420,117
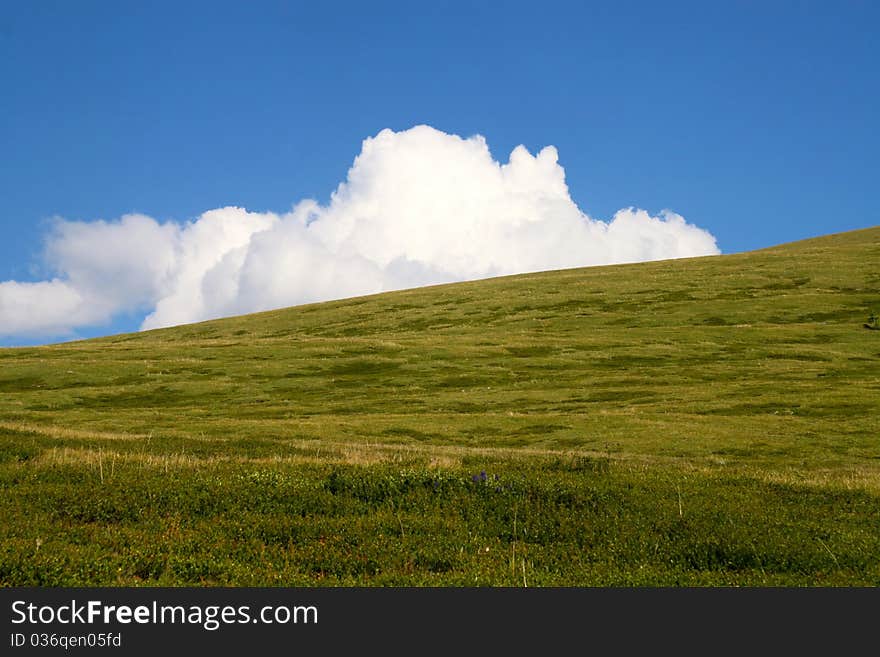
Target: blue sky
755,121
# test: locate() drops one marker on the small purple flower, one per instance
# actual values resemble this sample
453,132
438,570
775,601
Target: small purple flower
475,478
483,476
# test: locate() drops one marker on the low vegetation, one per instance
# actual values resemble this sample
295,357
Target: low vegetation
688,422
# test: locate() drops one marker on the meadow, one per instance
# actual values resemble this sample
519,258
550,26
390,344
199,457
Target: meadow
705,421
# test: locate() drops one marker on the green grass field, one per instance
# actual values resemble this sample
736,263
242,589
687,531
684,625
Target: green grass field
708,421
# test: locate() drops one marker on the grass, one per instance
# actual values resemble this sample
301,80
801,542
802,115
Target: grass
708,421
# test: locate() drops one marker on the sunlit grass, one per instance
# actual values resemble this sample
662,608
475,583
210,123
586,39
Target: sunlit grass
701,421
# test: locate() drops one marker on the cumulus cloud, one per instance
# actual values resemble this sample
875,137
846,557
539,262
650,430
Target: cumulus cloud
418,207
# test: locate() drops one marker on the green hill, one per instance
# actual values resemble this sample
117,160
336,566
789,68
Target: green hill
698,421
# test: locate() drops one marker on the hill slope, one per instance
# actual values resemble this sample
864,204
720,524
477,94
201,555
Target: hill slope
730,372
676,357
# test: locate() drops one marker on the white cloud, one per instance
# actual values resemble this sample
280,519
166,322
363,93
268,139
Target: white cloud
117,266
418,207
44,308
208,255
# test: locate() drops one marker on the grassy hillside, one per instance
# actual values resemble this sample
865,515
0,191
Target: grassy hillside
701,421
